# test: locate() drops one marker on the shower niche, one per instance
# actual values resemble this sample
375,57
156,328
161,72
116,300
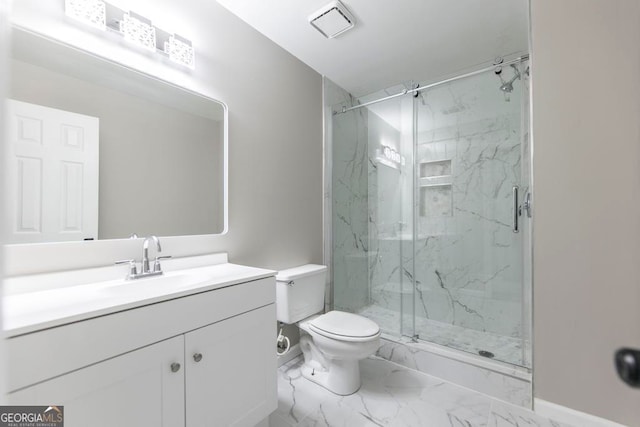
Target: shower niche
434,182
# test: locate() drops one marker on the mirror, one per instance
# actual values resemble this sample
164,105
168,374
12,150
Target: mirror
100,151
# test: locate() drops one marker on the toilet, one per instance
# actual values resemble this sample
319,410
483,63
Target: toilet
332,343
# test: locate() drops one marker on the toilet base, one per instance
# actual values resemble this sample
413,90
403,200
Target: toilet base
341,377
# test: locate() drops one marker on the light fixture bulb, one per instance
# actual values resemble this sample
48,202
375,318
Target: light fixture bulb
90,12
139,30
180,51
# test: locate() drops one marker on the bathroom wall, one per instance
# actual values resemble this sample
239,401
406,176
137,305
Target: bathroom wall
173,167
275,135
4,30
586,104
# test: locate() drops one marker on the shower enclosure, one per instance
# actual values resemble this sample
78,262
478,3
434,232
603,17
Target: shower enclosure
431,229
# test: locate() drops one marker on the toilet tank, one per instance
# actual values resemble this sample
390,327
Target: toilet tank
300,292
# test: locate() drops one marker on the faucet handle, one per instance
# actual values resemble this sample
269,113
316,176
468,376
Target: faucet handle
132,265
156,263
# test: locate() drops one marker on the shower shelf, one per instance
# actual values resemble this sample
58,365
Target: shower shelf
434,181
403,237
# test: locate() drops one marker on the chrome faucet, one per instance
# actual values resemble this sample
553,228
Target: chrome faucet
145,269
145,252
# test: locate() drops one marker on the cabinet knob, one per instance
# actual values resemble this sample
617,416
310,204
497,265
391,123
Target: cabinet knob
175,367
197,357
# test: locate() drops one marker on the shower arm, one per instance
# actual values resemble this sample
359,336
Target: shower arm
516,74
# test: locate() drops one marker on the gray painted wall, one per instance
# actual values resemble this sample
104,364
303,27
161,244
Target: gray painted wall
586,105
275,135
4,66
160,167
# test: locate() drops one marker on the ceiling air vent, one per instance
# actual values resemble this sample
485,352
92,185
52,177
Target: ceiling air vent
332,20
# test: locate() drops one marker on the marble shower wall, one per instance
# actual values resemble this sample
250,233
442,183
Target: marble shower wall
349,203
391,213
387,211
370,214
468,264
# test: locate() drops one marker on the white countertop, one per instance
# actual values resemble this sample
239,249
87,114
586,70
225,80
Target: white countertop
42,309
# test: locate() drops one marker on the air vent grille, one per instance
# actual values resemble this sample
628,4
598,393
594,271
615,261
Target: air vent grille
332,20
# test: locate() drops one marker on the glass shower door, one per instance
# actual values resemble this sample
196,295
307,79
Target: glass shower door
469,278
372,184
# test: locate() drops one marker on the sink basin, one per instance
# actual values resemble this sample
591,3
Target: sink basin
167,282
28,311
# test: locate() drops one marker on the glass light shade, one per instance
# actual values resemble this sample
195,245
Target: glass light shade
138,30
90,12
180,51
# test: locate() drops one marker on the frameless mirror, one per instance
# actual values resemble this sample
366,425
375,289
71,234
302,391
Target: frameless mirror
96,150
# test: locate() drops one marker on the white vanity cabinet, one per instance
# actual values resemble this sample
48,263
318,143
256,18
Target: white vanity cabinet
205,359
134,389
229,377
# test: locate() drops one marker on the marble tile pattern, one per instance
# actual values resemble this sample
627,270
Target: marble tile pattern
509,384
465,267
392,395
468,268
350,223
385,216
331,94
505,348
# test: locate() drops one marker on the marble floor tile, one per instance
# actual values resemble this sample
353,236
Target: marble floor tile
505,415
395,396
505,349
297,396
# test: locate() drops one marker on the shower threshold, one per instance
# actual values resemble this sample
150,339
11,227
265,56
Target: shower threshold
503,348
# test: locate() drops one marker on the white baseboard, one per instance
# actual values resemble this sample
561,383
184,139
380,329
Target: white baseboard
570,416
293,352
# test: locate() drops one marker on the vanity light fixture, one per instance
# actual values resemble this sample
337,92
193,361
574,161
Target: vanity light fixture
90,12
389,157
180,51
138,30
392,155
135,28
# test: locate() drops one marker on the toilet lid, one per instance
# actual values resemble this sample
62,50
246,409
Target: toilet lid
345,324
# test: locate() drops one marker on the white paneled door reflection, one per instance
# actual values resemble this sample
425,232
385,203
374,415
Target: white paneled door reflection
53,174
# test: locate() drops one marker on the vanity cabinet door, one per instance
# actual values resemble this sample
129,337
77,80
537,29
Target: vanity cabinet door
142,388
231,370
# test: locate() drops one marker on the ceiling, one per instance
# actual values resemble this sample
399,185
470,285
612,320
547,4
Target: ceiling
393,40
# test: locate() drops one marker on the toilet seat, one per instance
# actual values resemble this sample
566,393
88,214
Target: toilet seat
343,326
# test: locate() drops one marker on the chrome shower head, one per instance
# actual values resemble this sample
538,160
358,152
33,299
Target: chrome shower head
507,87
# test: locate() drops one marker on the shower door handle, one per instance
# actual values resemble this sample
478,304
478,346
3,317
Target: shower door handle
526,204
515,209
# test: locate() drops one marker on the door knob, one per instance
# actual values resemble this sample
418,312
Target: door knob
628,366
197,357
175,367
